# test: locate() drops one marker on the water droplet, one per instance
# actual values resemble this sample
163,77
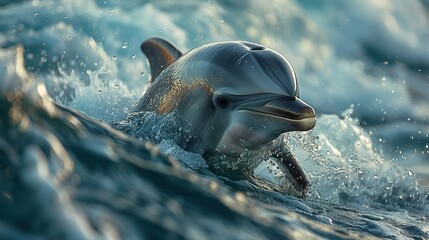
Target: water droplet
30,56
134,56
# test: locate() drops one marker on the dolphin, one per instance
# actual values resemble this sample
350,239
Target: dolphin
239,97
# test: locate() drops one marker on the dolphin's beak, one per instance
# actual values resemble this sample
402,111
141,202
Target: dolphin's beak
294,111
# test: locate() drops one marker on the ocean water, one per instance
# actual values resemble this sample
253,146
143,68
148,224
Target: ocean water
75,163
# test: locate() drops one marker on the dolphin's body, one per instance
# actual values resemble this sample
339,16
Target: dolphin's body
239,98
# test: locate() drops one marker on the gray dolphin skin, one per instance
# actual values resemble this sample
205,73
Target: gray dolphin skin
239,97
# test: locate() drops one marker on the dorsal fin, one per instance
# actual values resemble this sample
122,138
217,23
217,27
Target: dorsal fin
160,54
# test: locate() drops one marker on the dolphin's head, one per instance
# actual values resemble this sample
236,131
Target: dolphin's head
258,96
237,93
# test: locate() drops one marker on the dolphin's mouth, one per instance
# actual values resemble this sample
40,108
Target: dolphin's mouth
294,111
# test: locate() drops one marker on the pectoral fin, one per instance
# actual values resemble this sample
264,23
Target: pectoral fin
160,54
281,172
296,174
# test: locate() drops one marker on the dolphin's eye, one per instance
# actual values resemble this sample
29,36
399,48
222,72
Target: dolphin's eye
221,102
256,48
